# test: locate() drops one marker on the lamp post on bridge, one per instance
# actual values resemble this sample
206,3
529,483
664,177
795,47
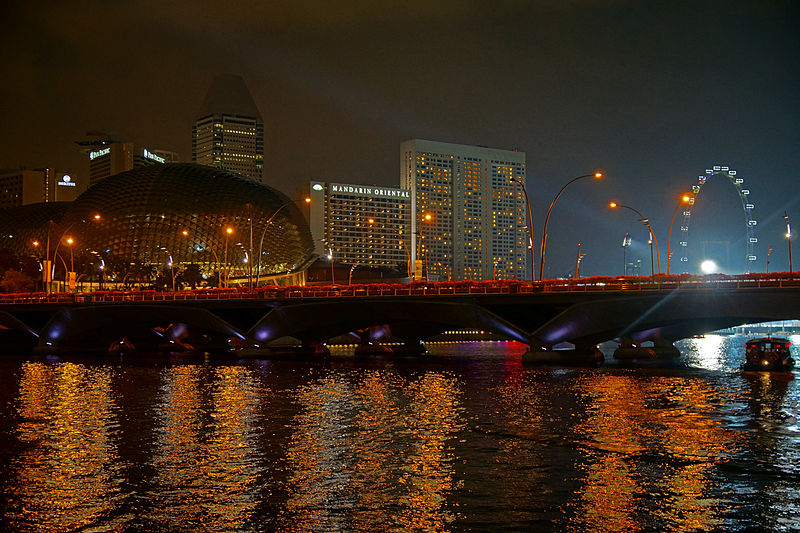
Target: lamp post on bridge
263,234
185,233
685,198
530,223
96,217
789,238
769,251
578,262
626,243
646,222
426,217
596,175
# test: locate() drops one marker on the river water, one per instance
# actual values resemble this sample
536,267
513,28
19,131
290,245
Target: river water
464,439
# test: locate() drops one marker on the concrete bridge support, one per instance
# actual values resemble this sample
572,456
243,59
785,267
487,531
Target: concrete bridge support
581,355
630,350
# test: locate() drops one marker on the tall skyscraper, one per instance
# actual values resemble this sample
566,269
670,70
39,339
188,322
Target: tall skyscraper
467,216
229,131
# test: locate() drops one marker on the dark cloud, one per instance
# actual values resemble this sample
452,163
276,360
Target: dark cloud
652,92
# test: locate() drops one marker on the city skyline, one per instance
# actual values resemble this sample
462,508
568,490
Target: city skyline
652,95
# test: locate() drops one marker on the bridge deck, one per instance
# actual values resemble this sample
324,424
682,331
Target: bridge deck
430,289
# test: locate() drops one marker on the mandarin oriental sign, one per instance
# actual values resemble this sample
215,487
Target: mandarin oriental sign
363,190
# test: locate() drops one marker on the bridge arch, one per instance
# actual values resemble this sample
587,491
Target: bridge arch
747,207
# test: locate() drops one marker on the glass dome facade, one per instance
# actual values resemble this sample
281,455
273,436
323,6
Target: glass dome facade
185,213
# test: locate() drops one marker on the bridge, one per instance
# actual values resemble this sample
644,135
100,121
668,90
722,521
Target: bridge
257,322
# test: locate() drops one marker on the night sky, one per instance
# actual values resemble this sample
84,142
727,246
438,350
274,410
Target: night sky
652,93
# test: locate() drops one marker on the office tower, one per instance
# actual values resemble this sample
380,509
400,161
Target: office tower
361,224
109,155
229,131
22,187
468,216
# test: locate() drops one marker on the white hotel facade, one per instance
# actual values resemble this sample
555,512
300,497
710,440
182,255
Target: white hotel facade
361,224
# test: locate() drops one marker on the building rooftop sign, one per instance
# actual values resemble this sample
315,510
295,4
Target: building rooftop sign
66,181
97,153
364,190
150,155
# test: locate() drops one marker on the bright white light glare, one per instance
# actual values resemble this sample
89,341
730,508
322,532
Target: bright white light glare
708,266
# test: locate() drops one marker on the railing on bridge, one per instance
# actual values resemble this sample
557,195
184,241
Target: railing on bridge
595,284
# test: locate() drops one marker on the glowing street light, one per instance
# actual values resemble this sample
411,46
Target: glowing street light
685,199
228,232
708,267
643,220
626,243
789,238
578,259
96,218
425,217
596,175
185,233
267,224
530,223
70,241
769,251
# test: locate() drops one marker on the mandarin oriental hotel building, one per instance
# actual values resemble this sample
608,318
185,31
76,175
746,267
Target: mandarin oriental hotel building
361,224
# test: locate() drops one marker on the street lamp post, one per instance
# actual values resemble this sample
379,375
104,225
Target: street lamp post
596,175
171,267
789,238
646,222
39,260
330,259
530,223
228,232
350,278
626,242
70,241
578,262
185,233
424,217
684,199
96,218
264,232
769,251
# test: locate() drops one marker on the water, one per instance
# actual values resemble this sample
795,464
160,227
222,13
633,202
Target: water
466,439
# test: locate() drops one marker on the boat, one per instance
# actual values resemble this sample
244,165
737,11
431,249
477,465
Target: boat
768,353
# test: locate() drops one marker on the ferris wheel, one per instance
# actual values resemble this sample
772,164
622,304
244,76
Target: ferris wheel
747,206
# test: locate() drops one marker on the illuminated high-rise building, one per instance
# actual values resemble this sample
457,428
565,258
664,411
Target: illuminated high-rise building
229,131
109,155
361,224
468,216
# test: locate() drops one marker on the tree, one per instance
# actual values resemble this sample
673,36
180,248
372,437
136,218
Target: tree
192,275
15,281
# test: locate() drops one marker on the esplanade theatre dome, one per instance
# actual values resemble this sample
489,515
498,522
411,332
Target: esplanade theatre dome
186,213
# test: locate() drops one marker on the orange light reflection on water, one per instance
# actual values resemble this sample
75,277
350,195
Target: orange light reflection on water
207,440
373,455
652,439
66,477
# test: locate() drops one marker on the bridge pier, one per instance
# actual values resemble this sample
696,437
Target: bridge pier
540,354
629,350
